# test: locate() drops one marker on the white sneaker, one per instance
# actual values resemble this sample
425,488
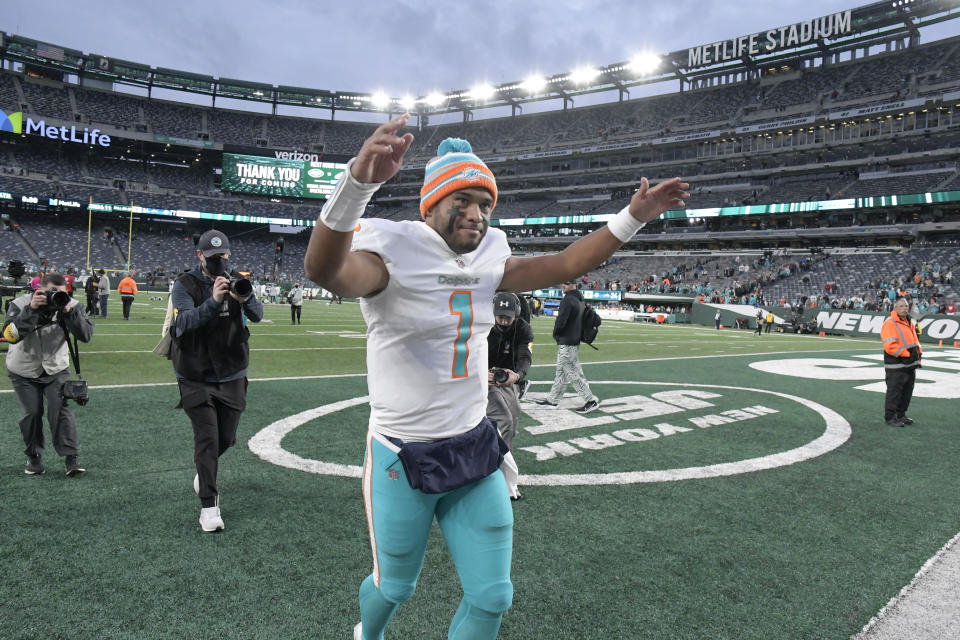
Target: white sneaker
358,631
210,519
196,484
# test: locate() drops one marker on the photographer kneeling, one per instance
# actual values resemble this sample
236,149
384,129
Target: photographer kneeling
36,327
509,355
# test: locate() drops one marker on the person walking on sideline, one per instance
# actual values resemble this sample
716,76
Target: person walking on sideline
36,327
127,290
210,357
566,331
509,357
295,298
103,288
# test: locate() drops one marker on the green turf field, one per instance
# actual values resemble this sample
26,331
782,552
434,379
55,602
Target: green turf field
731,487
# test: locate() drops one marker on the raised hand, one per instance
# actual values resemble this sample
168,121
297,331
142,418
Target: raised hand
646,204
381,155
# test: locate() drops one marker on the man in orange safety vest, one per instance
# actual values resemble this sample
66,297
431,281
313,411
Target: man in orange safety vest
901,359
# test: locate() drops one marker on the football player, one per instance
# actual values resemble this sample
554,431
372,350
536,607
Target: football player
425,292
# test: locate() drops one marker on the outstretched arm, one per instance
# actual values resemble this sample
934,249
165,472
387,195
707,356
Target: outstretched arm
589,252
329,261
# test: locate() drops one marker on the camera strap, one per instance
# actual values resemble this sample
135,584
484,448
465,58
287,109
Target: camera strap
73,348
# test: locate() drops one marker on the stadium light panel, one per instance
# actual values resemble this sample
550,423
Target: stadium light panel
534,84
645,64
583,75
482,92
435,99
407,102
379,100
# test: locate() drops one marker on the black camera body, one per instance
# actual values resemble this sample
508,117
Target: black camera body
57,299
241,287
500,375
75,390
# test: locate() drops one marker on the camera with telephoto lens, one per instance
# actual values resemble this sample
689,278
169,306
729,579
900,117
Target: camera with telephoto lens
57,299
241,287
500,375
75,390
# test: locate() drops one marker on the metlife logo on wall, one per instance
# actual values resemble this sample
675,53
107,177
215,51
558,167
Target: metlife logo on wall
15,123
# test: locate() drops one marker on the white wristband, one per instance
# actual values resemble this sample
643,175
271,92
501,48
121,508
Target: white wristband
345,206
624,225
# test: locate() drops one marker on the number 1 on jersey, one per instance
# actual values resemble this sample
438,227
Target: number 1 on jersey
461,304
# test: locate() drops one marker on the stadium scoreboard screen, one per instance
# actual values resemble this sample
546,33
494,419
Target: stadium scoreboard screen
266,176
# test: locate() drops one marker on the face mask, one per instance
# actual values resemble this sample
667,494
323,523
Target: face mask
216,266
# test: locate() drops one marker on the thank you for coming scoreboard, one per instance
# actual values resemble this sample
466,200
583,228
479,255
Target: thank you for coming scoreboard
277,177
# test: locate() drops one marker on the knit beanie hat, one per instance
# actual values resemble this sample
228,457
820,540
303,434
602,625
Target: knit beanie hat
454,168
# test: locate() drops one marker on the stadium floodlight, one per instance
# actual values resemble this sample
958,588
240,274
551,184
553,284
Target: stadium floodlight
583,75
379,100
534,84
407,102
482,92
645,63
435,99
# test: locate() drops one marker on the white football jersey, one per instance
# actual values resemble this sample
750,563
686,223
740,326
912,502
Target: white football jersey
427,330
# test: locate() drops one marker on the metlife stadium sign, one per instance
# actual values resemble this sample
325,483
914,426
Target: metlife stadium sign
794,35
15,123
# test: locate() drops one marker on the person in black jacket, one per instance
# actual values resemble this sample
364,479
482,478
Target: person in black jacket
210,358
509,356
566,331
92,290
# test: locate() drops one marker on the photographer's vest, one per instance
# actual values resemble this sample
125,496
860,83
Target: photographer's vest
39,352
217,350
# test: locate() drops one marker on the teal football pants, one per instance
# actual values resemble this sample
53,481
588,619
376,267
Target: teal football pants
477,525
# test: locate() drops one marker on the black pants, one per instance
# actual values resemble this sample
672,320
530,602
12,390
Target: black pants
63,426
92,307
295,313
127,303
899,392
214,408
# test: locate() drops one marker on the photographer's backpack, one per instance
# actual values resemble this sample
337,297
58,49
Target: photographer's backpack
590,322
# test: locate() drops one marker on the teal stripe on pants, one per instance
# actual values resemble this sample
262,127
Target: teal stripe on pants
477,525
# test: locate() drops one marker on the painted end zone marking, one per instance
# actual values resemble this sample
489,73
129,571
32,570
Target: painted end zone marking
267,445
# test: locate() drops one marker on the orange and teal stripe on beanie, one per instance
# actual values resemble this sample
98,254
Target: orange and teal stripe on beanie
454,168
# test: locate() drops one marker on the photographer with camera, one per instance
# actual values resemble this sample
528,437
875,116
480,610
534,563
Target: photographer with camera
37,327
210,358
509,354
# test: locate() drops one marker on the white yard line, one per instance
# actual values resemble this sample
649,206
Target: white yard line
926,609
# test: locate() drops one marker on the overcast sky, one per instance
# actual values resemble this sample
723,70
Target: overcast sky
400,47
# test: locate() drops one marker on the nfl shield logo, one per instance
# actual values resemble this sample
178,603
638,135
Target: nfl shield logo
394,474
